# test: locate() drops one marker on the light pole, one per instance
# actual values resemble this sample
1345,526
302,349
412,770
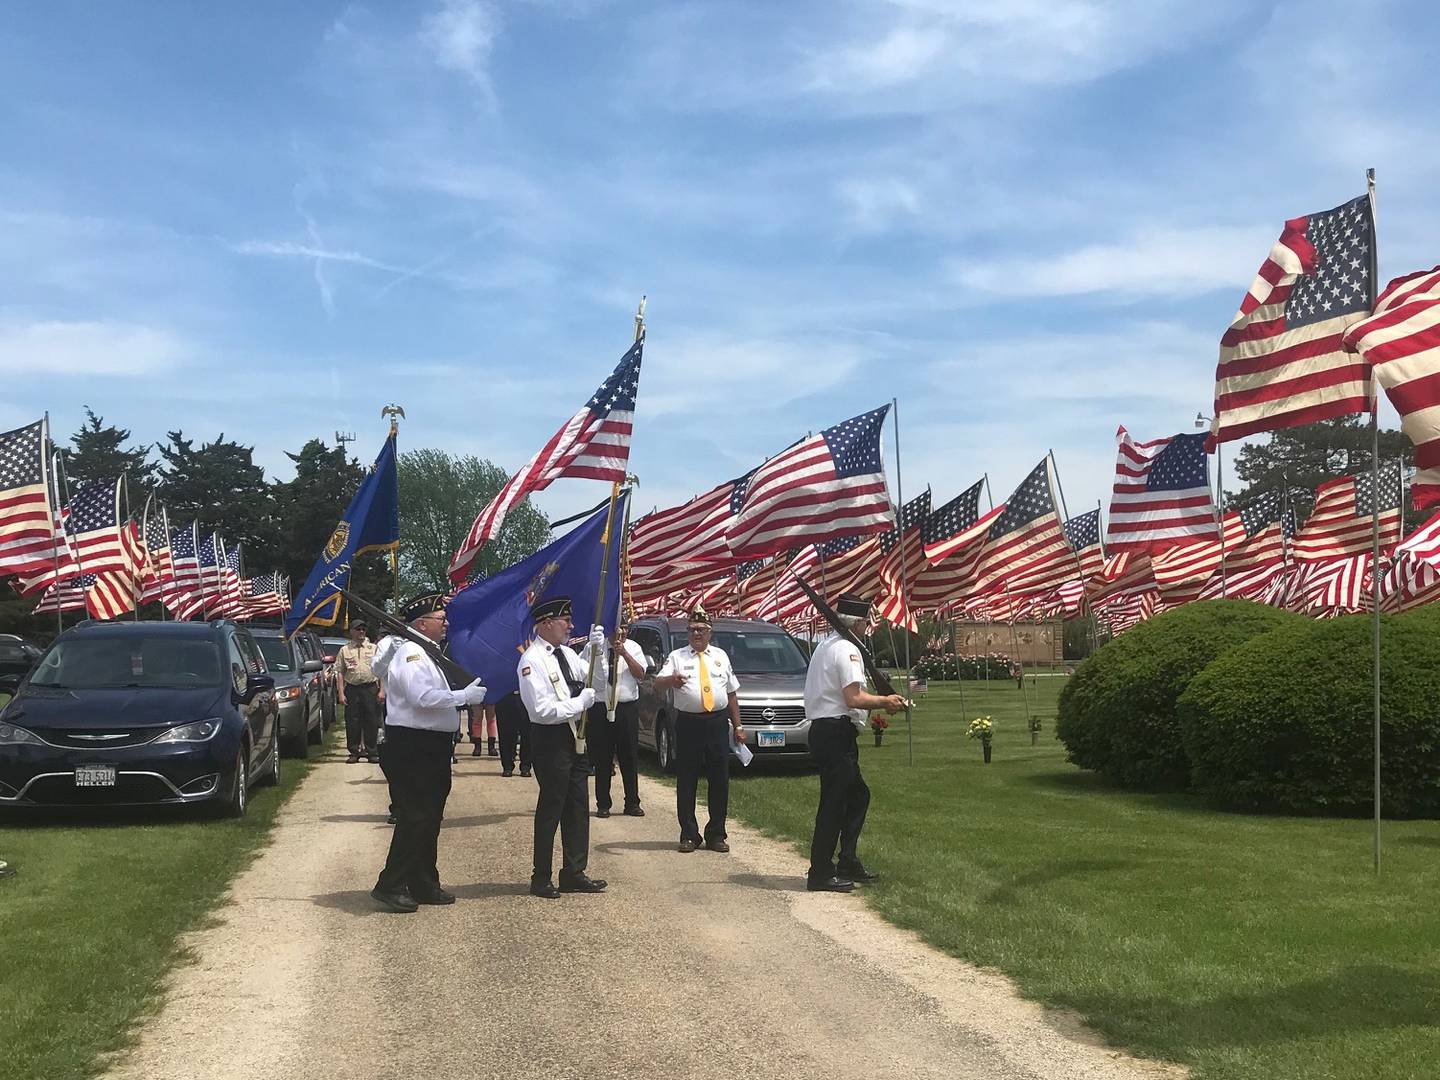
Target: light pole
1200,421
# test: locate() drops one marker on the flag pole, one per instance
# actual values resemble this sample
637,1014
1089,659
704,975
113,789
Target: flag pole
1375,520
1079,566
904,591
48,450
606,539
394,412
612,698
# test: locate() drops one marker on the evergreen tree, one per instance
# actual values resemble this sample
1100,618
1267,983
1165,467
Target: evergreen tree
99,453
440,497
219,485
1301,458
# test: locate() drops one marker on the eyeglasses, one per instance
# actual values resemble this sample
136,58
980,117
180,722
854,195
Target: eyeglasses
699,629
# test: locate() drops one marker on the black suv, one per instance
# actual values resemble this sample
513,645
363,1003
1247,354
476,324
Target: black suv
17,657
142,712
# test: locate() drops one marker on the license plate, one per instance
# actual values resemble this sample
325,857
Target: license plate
771,738
95,776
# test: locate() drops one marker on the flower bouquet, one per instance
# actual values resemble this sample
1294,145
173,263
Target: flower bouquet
982,728
878,724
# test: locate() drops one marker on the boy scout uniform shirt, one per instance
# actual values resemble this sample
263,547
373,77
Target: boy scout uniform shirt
687,662
417,694
626,688
835,665
355,663
542,687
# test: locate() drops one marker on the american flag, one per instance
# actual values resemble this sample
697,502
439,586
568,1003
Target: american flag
1401,343
1025,549
1182,571
192,601
785,599
107,594
94,533
1161,494
1283,361
268,595
1083,532
849,564
1333,587
1339,525
903,562
230,600
28,507
828,485
594,443
957,524
1414,576
684,546
160,570
184,552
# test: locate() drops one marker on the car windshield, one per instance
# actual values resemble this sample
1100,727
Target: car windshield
130,660
276,652
761,652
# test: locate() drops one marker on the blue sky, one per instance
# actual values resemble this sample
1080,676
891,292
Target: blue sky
1030,222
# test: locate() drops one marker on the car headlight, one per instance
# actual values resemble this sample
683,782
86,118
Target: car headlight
288,693
10,735
199,731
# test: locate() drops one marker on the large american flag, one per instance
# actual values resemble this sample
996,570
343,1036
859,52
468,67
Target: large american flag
1253,560
1161,494
903,562
160,564
594,443
1025,548
1414,576
1401,343
1083,532
1283,361
94,534
684,547
1339,526
1183,570
184,557
828,485
107,594
27,503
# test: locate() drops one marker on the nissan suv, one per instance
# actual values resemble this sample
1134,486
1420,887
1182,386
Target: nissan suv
770,666
299,671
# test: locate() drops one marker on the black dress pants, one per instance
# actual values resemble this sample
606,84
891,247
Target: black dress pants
702,745
417,765
611,743
844,796
513,725
362,717
564,801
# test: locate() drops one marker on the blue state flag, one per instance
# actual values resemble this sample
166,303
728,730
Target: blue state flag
489,620
371,523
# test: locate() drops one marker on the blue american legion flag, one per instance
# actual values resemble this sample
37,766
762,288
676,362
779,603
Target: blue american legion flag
1161,494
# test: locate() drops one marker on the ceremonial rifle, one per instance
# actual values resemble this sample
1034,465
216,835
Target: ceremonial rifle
452,671
882,682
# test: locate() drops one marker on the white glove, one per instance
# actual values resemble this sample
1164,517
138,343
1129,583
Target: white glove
474,694
597,638
587,698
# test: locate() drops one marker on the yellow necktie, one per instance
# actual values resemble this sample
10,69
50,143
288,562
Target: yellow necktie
707,695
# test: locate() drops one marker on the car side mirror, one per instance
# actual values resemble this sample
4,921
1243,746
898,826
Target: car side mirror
309,667
255,684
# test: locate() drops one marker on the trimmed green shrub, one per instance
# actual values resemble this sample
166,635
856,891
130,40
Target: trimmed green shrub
1117,714
1286,721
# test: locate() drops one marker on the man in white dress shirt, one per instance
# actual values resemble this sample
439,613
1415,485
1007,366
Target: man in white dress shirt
707,711
415,756
836,704
551,686
623,663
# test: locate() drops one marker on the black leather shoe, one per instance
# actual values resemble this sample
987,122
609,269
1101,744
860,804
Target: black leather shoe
634,811
543,889
581,883
390,820
478,751
524,771
400,901
602,813
856,872
833,884
437,896
687,845
717,845
507,772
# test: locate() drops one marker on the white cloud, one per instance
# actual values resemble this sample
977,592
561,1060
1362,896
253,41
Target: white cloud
77,349
289,249
460,37
1153,262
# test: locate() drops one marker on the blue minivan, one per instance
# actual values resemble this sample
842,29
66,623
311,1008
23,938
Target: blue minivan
118,713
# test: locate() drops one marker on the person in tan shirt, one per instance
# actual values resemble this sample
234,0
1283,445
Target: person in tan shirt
359,691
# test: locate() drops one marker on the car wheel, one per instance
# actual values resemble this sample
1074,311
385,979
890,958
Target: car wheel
664,746
272,774
240,792
296,746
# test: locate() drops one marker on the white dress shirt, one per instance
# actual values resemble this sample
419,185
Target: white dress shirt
626,688
686,661
834,665
542,686
417,694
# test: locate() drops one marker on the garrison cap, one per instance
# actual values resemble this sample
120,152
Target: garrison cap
359,624
699,615
423,604
852,606
549,609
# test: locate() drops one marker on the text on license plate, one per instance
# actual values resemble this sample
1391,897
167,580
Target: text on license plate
95,776
771,738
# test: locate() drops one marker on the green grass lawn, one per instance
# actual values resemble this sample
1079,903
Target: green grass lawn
90,922
1255,947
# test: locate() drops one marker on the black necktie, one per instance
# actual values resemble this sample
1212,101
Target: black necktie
570,680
